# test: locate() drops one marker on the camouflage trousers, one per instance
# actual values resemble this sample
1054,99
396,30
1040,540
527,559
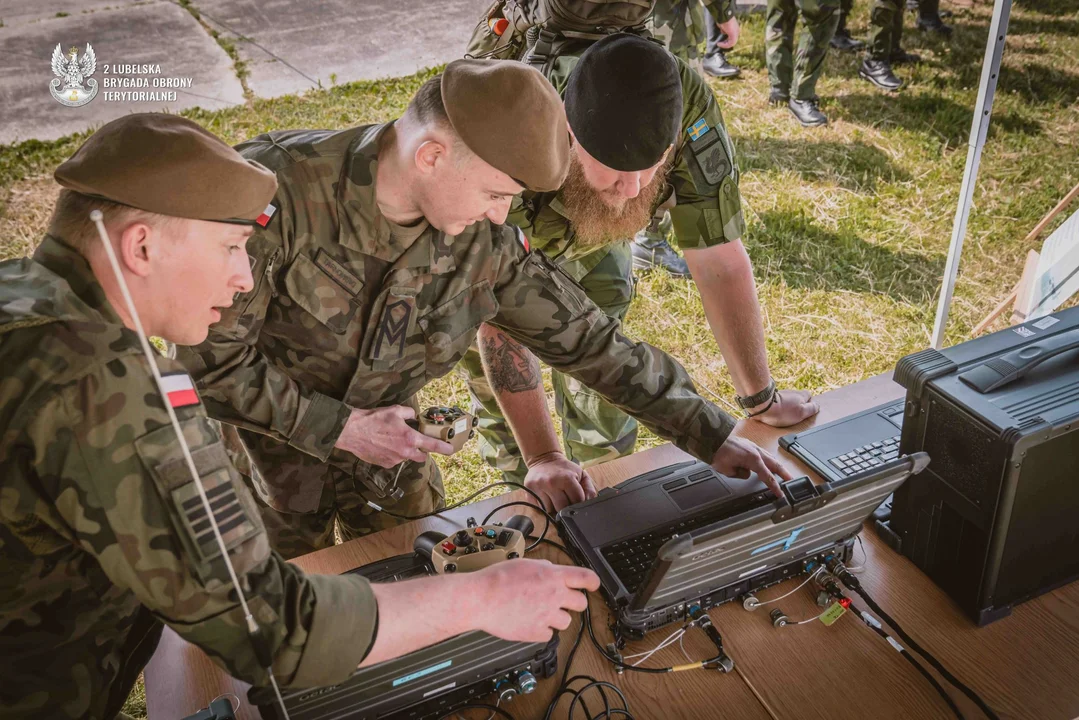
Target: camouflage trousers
682,25
885,28
796,74
593,431
295,534
845,8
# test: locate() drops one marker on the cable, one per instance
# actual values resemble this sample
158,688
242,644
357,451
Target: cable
865,558
547,519
852,583
786,595
262,652
873,625
457,504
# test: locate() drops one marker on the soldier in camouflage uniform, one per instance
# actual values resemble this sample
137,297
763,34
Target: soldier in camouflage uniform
699,186
680,24
684,24
103,539
793,76
374,272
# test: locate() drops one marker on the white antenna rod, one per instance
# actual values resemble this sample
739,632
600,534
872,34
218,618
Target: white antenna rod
252,626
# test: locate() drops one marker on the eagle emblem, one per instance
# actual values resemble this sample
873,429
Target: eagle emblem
73,85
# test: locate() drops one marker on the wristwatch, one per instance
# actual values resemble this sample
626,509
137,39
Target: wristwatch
754,400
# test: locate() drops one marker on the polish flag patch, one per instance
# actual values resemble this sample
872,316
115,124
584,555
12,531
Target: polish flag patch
264,219
180,389
523,239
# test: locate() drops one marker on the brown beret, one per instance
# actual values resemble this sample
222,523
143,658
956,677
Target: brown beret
168,165
512,117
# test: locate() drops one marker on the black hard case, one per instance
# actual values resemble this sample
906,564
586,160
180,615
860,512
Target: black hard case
994,519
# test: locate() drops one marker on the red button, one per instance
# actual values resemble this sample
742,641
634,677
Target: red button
449,548
479,531
845,602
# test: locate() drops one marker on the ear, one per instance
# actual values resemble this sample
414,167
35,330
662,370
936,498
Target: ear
428,155
136,246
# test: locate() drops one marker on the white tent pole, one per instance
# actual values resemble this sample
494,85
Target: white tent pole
994,48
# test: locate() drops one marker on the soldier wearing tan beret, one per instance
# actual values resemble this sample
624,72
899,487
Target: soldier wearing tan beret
102,538
384,252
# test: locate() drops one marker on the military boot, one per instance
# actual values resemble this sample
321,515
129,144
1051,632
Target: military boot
718,66
843,42
778,97
879,72
807,112
651,250
934,26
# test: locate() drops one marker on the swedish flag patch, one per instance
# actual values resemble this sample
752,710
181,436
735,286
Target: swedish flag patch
697,129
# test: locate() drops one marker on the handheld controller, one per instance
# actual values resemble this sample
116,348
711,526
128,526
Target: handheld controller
448,424
476,546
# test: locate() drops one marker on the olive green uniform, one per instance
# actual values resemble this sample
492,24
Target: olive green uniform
683,24
705,208
795,74
349,312
102,538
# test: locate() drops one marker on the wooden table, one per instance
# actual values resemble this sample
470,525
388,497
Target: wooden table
1025,666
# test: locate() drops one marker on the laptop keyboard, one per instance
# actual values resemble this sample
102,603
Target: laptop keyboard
866,457
631,558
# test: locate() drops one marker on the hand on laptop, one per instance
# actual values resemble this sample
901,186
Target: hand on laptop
524,599
738,457
559,481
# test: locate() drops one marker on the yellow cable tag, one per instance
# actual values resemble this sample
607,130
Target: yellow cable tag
832,614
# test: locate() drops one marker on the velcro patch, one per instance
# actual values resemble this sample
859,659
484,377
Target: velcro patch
180,389
229,513
264,219
714,163
338,272
698,129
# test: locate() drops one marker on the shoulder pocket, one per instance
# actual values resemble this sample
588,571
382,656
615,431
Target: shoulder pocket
447,327
539,266
232,506
320,295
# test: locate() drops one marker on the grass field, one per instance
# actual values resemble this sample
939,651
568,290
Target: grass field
848,226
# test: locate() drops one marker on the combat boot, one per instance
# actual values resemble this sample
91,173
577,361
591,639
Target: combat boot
843,42
902,57
935,26
807,112
718,66
653,251
879,72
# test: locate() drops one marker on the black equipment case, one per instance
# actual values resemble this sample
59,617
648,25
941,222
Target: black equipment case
994,519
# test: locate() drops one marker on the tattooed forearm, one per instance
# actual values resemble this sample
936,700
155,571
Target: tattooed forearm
510,366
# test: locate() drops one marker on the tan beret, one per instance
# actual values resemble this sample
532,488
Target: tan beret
168,165
512,117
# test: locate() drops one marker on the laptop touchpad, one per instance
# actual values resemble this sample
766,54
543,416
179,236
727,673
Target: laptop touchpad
700,493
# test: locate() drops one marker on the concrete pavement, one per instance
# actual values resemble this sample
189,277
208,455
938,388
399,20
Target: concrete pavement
155,33
286,46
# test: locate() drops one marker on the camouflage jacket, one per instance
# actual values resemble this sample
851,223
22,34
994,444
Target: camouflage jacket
345,315
702,193
100,540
